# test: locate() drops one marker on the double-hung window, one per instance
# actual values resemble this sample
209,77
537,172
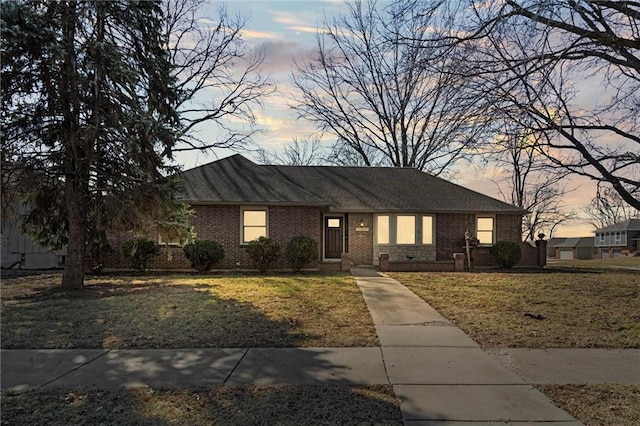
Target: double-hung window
485,227
254,224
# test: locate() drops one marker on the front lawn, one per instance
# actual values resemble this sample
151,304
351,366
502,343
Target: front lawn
613,263
186,311
537,310
598,405
221,405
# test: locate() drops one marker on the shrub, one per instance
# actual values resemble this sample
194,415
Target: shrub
506,253
300,251
263,252
140,250
204,254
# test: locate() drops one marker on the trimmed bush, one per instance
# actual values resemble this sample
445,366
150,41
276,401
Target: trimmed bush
301,251
506,253
263,252
140,250
204,254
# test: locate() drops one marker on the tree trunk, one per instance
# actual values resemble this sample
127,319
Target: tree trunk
76,172
73,277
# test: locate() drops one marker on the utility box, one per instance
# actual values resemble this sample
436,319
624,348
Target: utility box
458,262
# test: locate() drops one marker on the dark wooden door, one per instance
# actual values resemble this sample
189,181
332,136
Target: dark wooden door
333,236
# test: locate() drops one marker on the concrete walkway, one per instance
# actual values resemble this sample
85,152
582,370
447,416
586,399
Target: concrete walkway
439,374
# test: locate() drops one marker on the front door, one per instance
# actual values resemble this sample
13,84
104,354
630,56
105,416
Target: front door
333,236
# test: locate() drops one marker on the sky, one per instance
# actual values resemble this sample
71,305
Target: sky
286,31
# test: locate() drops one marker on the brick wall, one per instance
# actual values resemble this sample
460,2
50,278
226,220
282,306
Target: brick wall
360,243
288,222
450,229
222,224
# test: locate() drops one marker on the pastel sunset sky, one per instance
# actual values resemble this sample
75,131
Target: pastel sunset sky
286,31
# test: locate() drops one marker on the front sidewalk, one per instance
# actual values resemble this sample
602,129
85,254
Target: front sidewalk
438,373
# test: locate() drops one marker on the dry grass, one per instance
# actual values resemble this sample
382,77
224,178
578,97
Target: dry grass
598,405
185,311
614,263
274,405
579,310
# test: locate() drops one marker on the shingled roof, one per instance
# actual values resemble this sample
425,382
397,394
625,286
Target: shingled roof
236,180
627,225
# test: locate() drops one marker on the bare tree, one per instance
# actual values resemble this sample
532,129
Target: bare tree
217,74
301,152
530,184
608,208
571,69
386,92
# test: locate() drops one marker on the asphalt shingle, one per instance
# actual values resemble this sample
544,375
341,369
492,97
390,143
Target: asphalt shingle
346,189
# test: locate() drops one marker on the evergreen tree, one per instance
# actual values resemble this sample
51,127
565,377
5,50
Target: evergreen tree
88,119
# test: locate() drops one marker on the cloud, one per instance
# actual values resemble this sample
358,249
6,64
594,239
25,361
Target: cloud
253,34
305,22
280,55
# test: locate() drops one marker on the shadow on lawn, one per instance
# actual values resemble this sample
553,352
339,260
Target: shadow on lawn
145,315
184,385
218,405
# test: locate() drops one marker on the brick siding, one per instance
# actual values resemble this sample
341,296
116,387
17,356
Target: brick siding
360,242
222,224
450,229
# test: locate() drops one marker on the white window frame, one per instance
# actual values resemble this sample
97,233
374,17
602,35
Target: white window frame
493,230
243,209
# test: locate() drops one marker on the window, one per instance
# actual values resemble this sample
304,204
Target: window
618,238
427,229
484,230
601,239
333,223
406,230
382,229
254,224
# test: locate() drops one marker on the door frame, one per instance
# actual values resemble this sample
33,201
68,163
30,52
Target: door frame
326,216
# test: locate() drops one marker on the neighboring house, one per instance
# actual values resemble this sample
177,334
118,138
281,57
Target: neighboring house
619,239
19,251
582,248
551,242
354,213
